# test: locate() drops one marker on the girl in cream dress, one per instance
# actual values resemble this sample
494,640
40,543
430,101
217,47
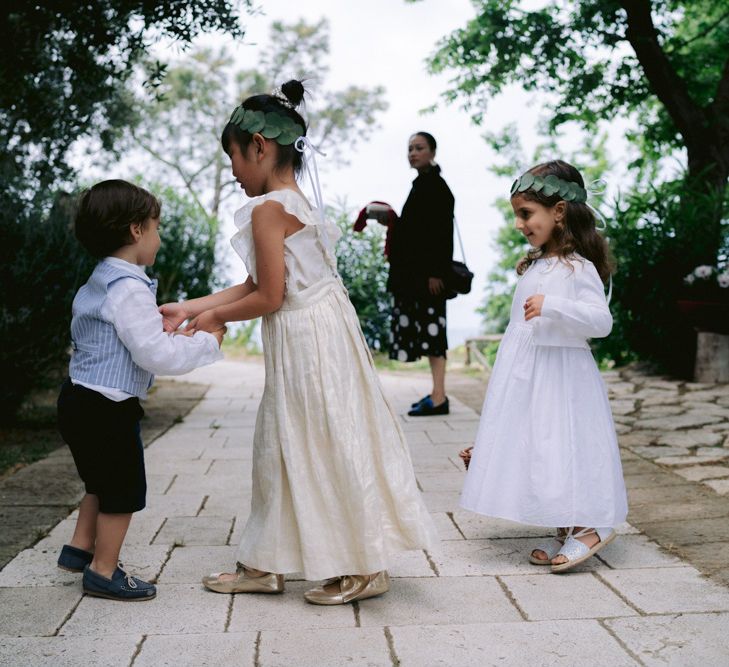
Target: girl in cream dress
334,493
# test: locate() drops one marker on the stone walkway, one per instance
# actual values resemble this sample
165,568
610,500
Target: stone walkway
476,601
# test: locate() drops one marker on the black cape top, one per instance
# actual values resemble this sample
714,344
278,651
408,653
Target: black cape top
421,246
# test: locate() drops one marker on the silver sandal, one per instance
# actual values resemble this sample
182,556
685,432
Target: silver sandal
577,552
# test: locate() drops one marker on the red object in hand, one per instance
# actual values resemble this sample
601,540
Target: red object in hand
361,222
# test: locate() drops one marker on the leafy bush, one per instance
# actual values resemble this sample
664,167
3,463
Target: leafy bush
41,267
185,264
363,268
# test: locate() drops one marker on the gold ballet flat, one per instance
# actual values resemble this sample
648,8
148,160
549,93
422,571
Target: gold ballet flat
244,582
349,588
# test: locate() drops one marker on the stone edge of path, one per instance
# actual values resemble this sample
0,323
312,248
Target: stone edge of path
35,498
684,534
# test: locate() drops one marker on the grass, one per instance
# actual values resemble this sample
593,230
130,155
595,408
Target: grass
33,435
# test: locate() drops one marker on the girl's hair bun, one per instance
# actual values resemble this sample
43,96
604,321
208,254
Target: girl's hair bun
293,91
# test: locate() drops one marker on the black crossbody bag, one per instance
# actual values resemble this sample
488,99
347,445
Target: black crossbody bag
461,277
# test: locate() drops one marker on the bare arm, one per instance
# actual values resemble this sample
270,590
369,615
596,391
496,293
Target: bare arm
269,227
194,307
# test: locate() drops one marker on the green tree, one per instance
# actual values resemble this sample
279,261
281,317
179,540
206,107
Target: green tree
181,127
363,268
62,70
185,264
663,63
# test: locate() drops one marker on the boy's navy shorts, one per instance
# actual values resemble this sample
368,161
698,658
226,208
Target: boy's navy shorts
104,438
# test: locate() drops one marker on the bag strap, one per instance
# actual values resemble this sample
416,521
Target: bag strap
460,240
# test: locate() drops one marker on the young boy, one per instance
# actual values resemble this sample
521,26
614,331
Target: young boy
118,344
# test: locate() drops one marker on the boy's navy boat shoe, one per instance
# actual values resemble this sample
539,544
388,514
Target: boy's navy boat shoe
121,586
74,559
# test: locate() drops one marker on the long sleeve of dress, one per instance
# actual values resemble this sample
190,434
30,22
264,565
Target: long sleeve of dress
588,314
132,310
439,231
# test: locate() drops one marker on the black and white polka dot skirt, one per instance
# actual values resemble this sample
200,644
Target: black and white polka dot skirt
418,329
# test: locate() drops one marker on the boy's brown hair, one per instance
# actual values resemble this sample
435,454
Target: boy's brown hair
107,210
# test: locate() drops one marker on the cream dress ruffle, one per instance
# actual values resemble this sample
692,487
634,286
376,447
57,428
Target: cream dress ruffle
334,490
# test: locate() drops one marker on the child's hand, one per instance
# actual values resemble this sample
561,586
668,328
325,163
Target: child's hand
219,333
173,315
533,306
206,321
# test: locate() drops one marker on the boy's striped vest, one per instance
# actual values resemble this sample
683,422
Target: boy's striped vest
99,357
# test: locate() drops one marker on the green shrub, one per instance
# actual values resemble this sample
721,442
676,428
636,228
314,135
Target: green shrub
41,267
364,270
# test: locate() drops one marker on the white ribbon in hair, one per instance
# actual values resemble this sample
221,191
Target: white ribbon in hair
598,187
303,144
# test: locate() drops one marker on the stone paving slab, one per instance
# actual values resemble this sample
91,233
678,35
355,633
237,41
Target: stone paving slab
325,648
229,649
178,609
580,595
68,651
442,600
675,641
543,644
36,611
668,590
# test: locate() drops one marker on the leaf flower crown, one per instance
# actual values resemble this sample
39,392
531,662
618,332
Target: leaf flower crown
550,185
271,125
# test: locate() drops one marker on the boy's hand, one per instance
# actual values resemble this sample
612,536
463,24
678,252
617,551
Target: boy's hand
206,321
219,333
173,315
533,306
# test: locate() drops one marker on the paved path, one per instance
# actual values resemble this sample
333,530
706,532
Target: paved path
476,601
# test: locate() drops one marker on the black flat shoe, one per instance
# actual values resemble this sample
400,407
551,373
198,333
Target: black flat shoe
426,408
417,403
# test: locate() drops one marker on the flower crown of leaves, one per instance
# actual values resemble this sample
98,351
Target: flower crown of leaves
550,185
271,125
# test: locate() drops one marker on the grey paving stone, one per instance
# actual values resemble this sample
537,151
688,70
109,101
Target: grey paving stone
229,649
476,526
635,551
698,509
228,484
677,640
538,644
165,465
491,557
441,600
668,590
178,609
324,648
660,451
652,480
579,595
721,486
36,611
684,421
692,438
195,530
441,501
677,493
280,612
68,651
448,481
410,564
705,457
697,473
37,567
696,531
445,526
189,564
158,484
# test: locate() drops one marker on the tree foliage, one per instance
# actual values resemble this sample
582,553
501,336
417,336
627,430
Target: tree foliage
62,70
664,63
181,127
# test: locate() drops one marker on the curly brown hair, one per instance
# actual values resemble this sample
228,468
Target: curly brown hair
578,234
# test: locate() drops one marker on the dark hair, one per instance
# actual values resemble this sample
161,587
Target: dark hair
107,210
429,138
578,233
293,94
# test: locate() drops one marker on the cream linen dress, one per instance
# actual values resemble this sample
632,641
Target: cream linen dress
334,491
546,452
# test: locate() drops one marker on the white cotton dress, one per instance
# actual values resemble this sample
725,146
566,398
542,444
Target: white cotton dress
546,452
334,491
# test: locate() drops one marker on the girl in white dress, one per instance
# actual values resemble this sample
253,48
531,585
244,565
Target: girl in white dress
546,452
334,493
